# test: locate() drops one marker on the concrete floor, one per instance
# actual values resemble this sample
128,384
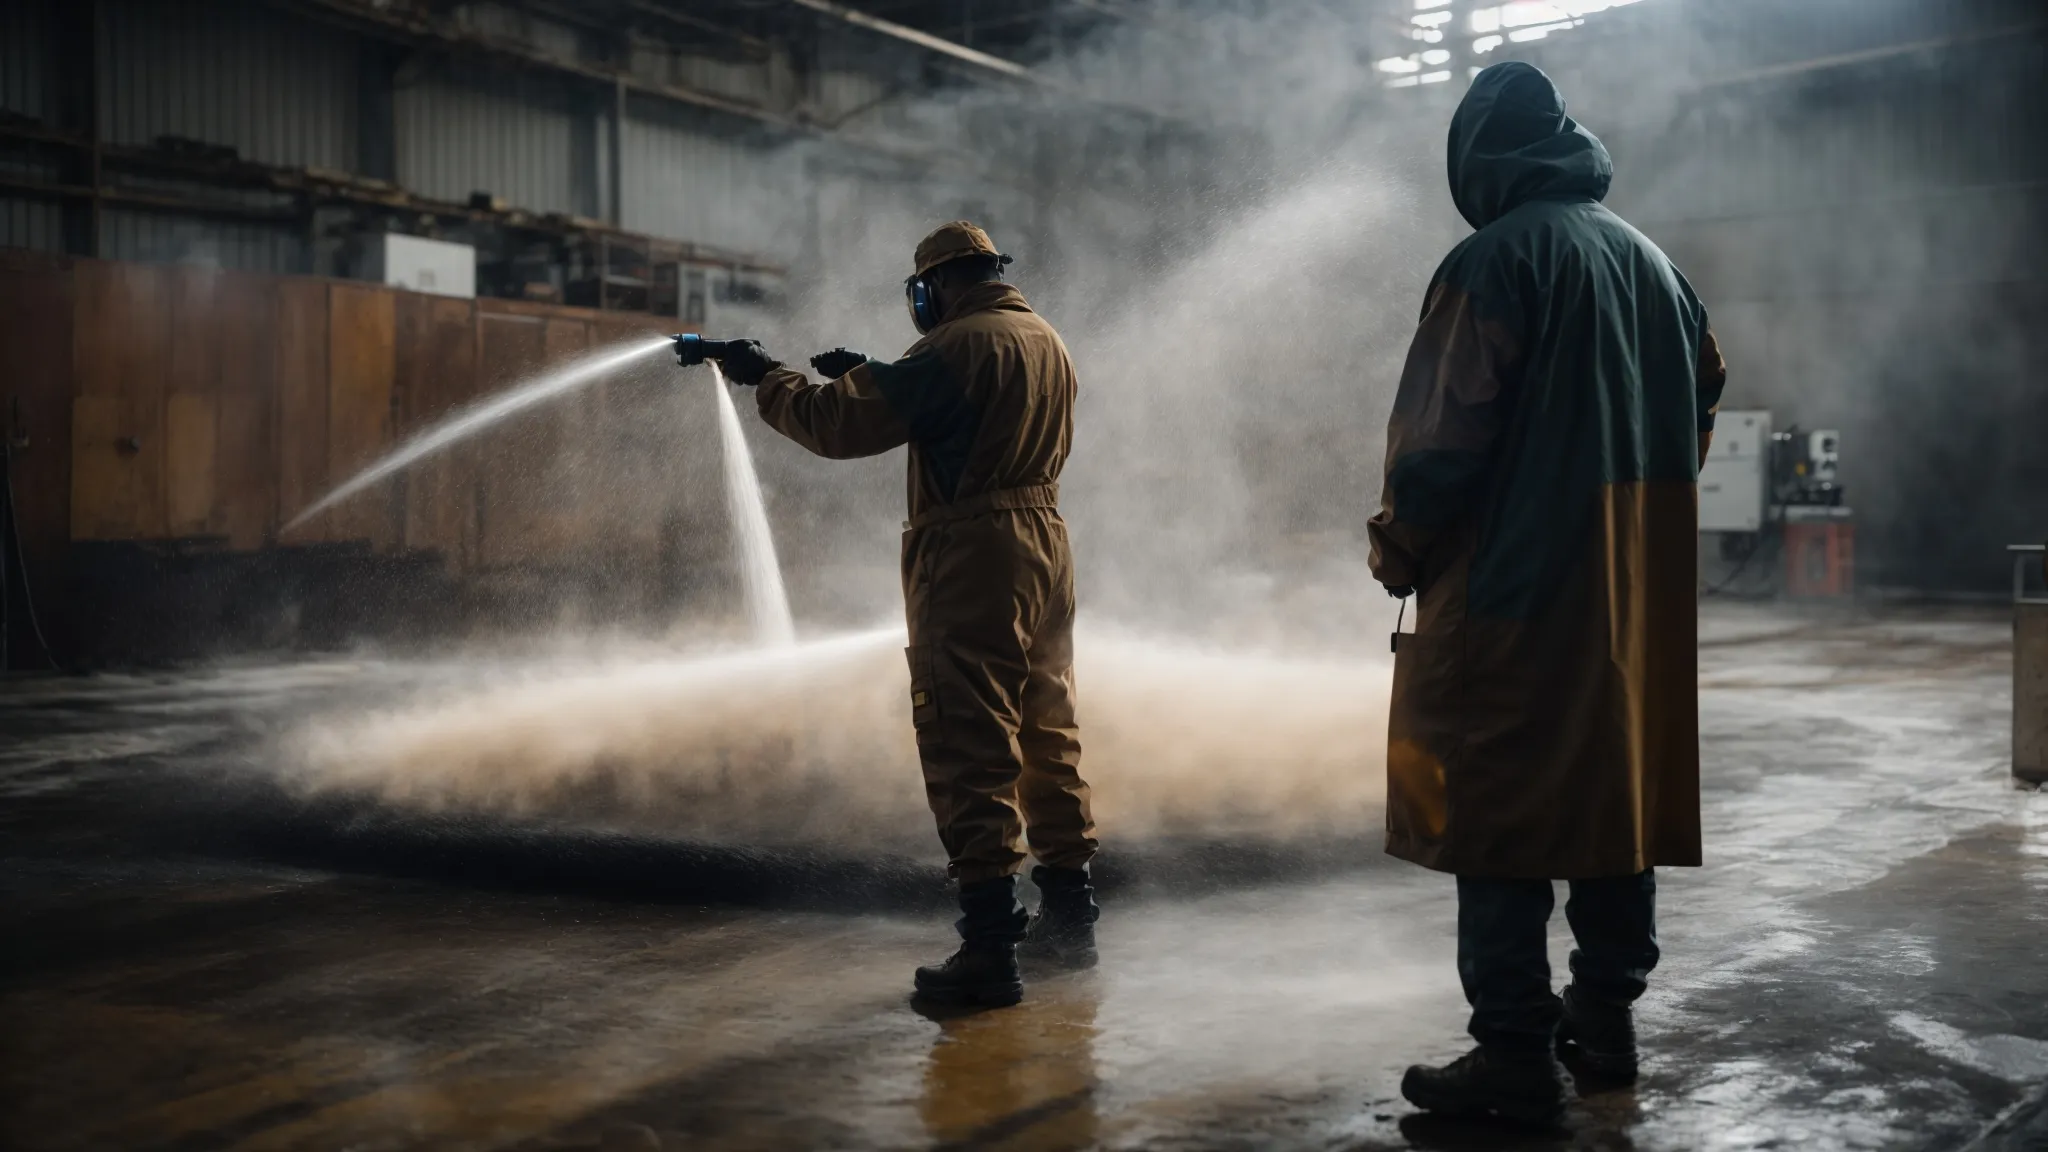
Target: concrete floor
192,964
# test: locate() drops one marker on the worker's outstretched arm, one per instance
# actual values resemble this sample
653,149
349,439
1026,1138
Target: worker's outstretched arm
842,418
1447,416
873,408
1708,379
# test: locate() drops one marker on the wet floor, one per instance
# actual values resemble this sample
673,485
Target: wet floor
193,962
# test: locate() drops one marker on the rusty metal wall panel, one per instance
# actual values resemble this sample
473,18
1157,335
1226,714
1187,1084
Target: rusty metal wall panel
436,373
301,349
117,435
509,348
248,476
361,372
278,89
456,138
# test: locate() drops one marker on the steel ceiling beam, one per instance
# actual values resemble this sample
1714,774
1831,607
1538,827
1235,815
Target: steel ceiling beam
919,37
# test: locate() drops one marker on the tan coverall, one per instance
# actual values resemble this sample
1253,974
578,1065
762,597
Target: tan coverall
985,401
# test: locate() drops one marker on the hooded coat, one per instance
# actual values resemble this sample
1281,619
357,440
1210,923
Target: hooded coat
1540,493
985,402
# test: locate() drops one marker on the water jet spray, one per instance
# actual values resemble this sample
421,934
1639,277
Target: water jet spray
482,415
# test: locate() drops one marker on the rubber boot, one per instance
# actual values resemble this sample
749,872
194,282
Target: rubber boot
1529,1088
1603,1035
1062,932
983,973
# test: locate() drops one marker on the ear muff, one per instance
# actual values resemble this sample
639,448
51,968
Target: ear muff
924,314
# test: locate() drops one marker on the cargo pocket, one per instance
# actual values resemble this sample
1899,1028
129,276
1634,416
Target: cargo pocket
924,698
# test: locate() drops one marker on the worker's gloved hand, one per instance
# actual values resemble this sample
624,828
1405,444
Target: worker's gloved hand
838,362
746,362
1400,591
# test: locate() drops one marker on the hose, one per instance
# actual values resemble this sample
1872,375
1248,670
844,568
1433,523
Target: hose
1729,580
12,546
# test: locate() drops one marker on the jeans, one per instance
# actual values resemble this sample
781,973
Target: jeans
1504,961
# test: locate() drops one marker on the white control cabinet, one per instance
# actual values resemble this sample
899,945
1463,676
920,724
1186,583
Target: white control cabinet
1736,479
422,265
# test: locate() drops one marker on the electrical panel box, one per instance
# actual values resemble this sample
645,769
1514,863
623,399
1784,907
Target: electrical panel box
1735,481
1824,455
422,265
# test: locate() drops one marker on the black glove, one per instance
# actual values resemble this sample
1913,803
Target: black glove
1401,592
838,362
746,362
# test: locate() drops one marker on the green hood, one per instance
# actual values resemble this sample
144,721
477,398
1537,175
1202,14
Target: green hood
1512,143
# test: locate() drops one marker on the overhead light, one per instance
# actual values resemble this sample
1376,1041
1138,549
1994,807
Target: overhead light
1435,77
1486,44
1399,64
1436,56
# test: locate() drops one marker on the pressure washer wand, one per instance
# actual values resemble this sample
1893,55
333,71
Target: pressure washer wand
692,349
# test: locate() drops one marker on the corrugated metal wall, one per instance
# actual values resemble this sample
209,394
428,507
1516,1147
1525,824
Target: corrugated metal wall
454,139
31,224
284,89
252,247
730,193
24,33
279,90
24,82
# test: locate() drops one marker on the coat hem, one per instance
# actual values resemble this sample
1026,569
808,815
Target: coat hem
1437,858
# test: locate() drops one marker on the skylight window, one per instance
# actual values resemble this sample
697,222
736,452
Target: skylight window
1490,26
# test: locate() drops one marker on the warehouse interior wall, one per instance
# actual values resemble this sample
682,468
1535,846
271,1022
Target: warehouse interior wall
1232,223
1861,199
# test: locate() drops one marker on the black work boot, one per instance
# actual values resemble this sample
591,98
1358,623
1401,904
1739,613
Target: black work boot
1062,931
983,972
1523,1087
1603,1035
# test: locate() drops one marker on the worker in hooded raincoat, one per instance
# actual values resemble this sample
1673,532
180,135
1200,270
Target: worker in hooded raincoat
1540,501
985,402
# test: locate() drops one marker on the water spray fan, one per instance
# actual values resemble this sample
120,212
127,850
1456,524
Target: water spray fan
692,349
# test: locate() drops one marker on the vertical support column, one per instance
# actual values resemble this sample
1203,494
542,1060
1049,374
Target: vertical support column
377,111
615,195
79,41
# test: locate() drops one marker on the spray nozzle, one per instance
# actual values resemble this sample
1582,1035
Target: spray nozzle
692,349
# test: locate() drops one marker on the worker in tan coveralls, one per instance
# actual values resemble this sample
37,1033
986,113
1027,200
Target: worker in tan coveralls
1541,501
985,401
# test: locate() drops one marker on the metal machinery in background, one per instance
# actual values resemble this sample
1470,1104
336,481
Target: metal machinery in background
1763,492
